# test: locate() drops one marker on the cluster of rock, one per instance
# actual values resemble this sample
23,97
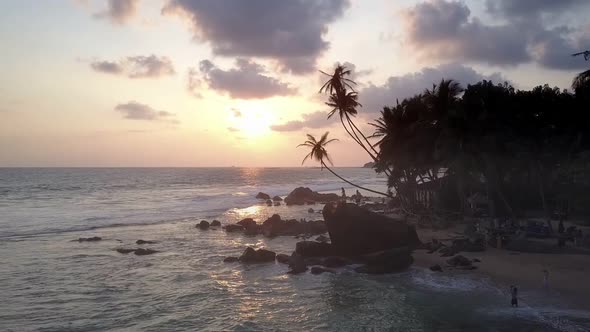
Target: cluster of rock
275,226
304,195
276,201
458,262
204,224
377,243
137,251
457,246
90,239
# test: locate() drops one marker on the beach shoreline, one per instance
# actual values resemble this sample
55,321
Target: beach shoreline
567,272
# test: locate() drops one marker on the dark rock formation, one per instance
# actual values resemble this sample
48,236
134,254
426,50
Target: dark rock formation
356,231
322,238
144,242
125,250
277,204
257,256
436,268
90,239
142,251
283,258
233,228
277,199
313,249
203,225
247,222
447,252
477,260
320,270
302,195
215,223
262,195
297,264
310,210
387,261
269,202
230,259
459,261
335,261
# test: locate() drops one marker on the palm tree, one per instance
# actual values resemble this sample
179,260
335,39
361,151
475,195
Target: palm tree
346,102
319,153
582,80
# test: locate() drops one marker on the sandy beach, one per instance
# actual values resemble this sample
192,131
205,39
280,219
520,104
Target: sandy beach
567,272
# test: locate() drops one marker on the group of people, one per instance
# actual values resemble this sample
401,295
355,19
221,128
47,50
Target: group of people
356,197
514,289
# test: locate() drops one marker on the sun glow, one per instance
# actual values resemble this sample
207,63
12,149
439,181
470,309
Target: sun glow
251,121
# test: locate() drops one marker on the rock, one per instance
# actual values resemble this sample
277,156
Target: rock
215,223
320,270
230,259
233,228
436,268
322,238
316,227
459,261
313,249
269,202
313,261
252,230
301,195
90,239
386,261
283,258
144,242
476,260
142,251
297,264
469,245
262,195
467,268
257,256
356,231
277,204
334,261
247,222
447,252
203,225
310,210
277,199
125,250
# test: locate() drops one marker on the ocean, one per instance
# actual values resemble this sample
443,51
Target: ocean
51,282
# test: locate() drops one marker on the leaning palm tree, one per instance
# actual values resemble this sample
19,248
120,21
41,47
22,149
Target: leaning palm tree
345,103
319,153
581,80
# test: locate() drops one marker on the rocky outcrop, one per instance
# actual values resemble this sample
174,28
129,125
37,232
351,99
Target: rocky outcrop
436,268
233,228
140,242
459,261
203,225
257,256
297,264
247,222
387,261
357,231
304,195
143,252
322,238
90,239
125,250
263,196
230,259
313,249
283,258
320,270
277,199
269,202
215,223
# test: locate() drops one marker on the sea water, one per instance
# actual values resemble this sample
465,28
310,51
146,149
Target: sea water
50,282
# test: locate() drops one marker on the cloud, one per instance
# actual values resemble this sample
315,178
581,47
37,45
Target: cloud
193,83
246,81
291,32
232,129
446,30
119,11
151,66
310,120
374,97
236,113
137,111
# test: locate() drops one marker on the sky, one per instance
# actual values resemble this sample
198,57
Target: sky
203,83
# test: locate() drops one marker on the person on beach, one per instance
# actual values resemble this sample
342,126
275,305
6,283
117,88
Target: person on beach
514,293
545,279
343,194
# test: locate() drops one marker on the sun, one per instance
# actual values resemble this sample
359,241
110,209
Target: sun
251,121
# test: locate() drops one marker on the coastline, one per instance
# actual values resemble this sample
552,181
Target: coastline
567,272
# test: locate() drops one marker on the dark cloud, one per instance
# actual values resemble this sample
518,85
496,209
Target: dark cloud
290,32
246,81
119,11
137,111
310,120
374,97
446,30
150,66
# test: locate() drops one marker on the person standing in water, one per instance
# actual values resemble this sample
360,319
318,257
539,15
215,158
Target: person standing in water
514,293
343,194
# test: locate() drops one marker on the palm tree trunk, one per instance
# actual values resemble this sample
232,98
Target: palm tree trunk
349,133
358,140
352,184
360,132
